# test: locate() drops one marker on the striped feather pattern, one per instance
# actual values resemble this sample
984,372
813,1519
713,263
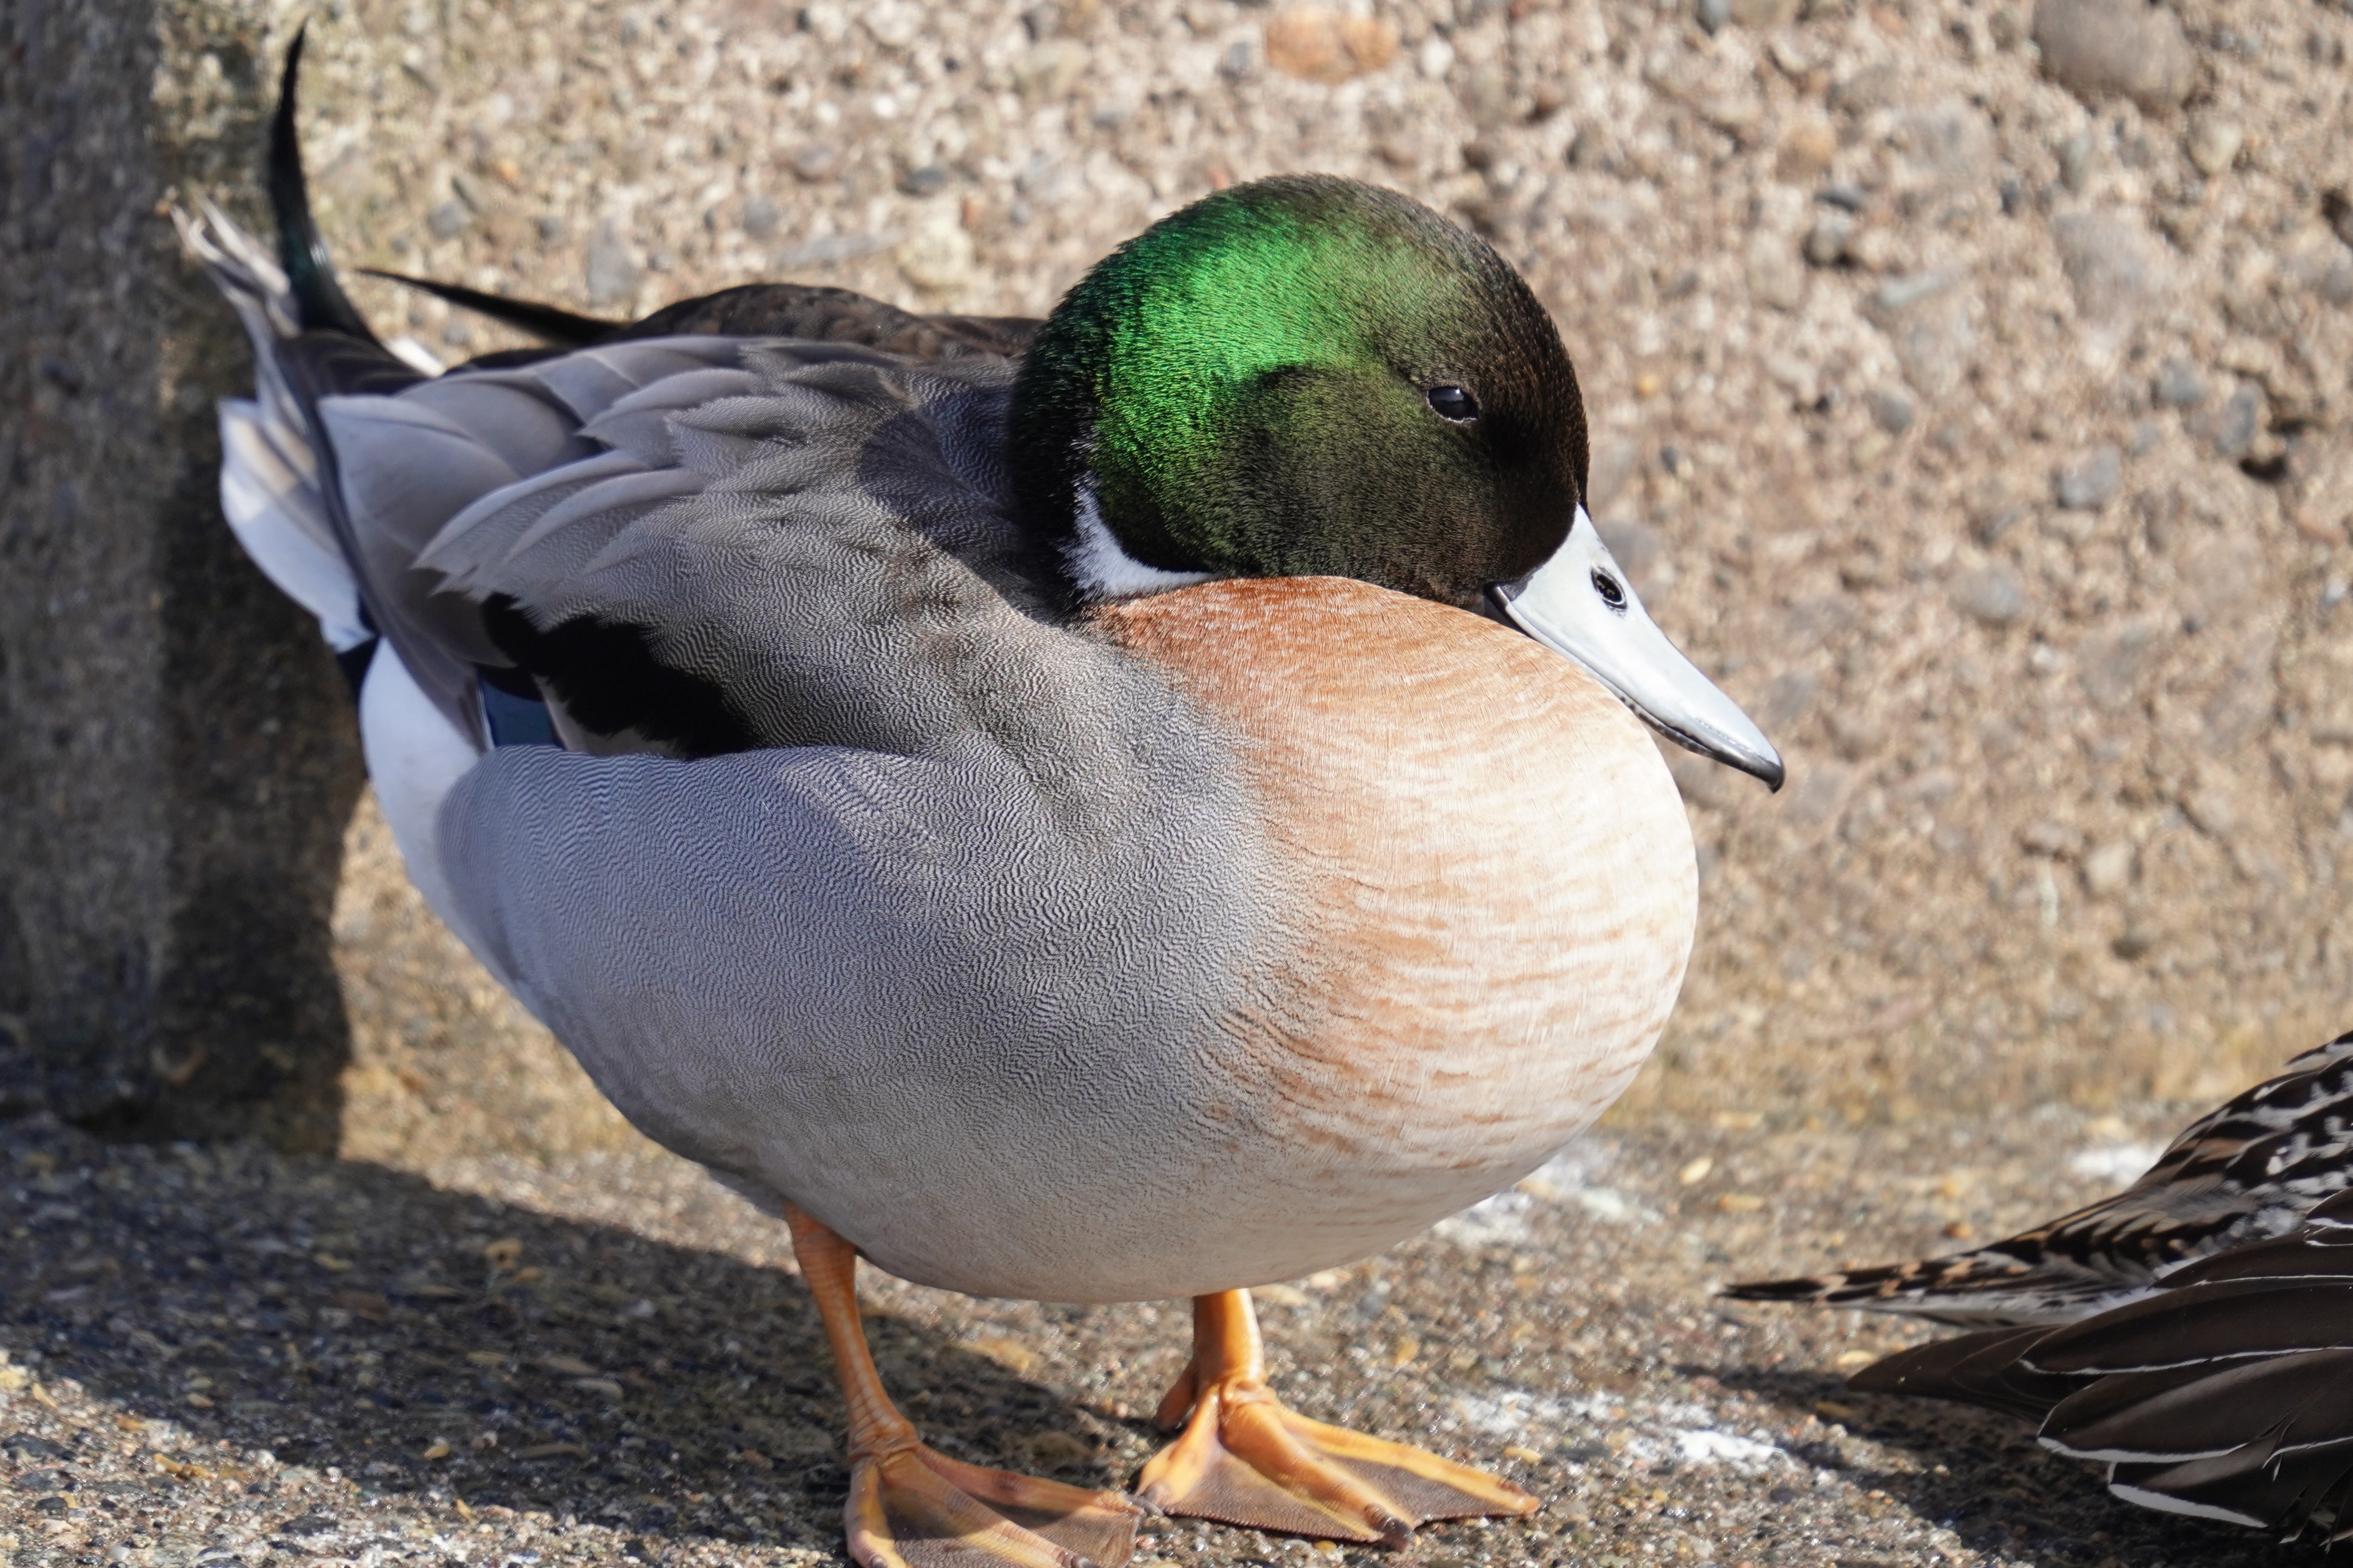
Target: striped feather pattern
2221,1387
2242,1174
2225,1393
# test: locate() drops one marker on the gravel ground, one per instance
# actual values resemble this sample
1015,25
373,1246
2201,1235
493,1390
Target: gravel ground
219,1354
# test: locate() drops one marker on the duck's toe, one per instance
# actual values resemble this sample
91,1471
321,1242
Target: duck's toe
1245,1459
918,1508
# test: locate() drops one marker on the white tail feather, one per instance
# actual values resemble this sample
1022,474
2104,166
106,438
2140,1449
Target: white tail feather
269,491
270,475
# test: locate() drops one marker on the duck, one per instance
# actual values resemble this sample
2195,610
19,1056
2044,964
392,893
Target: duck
1133,805
2190,1332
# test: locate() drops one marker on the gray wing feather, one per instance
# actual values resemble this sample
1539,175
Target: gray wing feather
529,431
823,552
589,381
484,534
640,422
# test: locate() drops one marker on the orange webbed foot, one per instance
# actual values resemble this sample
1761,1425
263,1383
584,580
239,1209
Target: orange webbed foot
918,1508
1246,1460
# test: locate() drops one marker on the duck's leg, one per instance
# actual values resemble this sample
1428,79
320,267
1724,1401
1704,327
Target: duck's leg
1245,1459
912,1508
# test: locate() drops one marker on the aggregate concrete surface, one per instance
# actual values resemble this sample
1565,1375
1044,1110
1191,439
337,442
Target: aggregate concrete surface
219,1354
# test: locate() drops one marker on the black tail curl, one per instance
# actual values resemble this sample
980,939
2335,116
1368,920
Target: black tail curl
319,299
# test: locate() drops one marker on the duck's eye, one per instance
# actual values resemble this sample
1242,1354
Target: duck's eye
1454,403
1611,593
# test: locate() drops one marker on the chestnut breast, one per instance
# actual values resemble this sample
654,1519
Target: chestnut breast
1488,876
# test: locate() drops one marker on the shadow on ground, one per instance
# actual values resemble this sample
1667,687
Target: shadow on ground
349,1316
1984,1477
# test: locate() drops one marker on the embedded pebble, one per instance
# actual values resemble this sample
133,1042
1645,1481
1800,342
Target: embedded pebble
612,272
2180,384
1990,595
1891,411
2091,481
2230,429
2106,49
1826,241
2214,143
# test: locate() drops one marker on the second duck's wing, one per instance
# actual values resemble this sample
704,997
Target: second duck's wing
2225,1393
2248,1171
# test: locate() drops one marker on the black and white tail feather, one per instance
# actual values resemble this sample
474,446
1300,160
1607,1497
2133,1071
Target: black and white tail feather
2194,1332
2226,1393
2245,1173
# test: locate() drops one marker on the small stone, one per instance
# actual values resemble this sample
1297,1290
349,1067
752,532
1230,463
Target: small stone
816,161
2091,481
2230,431
2054,839
1777,275
551,230
612,272
2108,868
928,181
2214,143
2075,162
2114,264
449,220
2213,808
1950,140
1314,43
1052,69
2179,384
1927,319
1989,595
1871,87
1891,411
1826,241
1712,14
1992,508
894,24
1806,149
761,218
2109,49
940,257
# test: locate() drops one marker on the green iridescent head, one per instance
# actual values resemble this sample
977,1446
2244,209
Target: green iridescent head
1304,377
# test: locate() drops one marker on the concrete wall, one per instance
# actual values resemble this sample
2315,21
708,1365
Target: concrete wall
176,767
